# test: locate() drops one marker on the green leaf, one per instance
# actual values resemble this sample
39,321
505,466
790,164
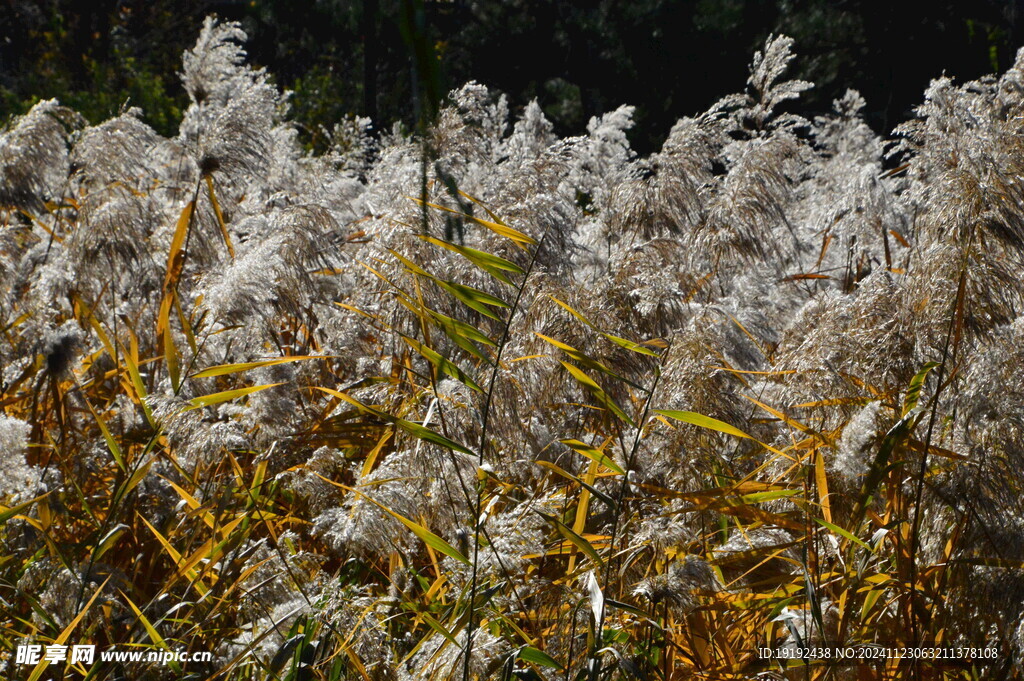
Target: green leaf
630,345
108,541
473,298
461,328
531,654
138,474
412,267
621,342
442,363
916,384
139,386
464,335
896,435
154,635
586,360
598,392
842,533
702,421
488,262
115,449
594,454
778,608
567,532
423,433
438,627
225,396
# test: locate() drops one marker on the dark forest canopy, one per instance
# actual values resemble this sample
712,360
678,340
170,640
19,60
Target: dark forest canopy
340,57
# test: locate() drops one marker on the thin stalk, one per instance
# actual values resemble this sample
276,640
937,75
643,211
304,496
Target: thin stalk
485,418
932,417
630,460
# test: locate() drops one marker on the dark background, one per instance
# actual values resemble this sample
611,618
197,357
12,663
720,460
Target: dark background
393,59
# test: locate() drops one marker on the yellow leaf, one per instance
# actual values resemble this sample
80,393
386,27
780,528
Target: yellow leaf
702,421
225,396
220,216
821,480
428,537
498,228
595,455
224,369
175,257
64,635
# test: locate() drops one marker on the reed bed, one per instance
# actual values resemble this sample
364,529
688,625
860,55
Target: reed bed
480,402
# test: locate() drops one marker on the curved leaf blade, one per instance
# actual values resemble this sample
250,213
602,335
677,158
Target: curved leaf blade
428,537
225,396
598,392
224,369
594,454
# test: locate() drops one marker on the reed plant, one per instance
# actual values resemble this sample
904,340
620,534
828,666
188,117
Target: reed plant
481,402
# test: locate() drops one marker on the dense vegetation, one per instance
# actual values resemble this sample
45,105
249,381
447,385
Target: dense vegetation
483,402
